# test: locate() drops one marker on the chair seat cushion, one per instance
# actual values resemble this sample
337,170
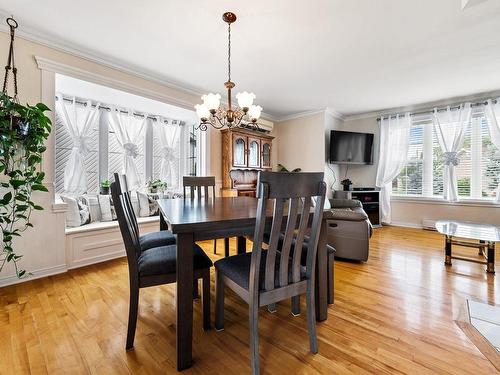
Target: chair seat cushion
162,260
330,249
237,268
156,239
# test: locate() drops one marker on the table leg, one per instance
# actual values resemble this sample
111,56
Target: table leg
184,296
447,251
321,292
242,245
226,246
163,223
490,268
480,252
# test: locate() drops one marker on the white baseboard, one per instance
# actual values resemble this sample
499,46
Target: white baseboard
37,274
96,259
406,225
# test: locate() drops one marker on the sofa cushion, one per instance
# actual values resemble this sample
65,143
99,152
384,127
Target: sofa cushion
162,260
348,214
106,206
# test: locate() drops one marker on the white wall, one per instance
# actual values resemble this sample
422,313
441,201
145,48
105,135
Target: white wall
304,143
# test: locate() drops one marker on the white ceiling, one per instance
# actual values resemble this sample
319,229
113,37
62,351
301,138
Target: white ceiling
353,56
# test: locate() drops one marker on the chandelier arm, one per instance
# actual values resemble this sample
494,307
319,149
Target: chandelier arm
216,122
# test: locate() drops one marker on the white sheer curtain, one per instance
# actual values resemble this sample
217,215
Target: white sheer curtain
450,127
78,120
128,130
393,154
493,116
168,134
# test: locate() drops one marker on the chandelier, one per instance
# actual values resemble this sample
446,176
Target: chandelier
212,113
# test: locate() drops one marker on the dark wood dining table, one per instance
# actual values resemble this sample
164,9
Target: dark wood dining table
195,220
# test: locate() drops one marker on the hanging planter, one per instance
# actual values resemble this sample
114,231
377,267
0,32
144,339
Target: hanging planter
23,132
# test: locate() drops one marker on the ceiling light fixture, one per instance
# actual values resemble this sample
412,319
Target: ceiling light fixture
212,113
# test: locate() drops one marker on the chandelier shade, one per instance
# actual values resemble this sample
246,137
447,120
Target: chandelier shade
211,112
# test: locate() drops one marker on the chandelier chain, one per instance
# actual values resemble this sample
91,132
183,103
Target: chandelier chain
229,53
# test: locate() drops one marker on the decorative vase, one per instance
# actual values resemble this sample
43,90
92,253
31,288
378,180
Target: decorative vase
104,190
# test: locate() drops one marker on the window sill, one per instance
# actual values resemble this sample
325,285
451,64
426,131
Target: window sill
440,201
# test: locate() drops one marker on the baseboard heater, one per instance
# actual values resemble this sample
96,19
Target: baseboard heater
429,224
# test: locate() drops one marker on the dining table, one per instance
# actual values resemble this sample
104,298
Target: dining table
220,217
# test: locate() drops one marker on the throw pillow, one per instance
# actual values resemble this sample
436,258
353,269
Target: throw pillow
73,218
107,210
147,205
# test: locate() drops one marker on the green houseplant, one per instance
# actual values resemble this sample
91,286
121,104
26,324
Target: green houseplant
155,185
105,185
23,132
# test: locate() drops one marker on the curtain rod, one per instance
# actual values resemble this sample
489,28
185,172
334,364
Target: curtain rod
430,111
109,109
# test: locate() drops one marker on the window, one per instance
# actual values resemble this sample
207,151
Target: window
477,173
105,156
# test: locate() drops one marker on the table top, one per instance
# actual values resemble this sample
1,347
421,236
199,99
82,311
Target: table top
189,215
470,230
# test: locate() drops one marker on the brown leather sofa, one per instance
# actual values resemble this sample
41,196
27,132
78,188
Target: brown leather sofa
350,230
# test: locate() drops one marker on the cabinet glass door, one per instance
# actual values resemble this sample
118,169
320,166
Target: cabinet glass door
266,155
253,153
239,148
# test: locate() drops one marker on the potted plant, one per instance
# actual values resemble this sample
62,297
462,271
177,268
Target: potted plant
105,187
155,185
347,184
23,132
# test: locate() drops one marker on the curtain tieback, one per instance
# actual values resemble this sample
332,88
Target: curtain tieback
82,144
131,149
168,153
451,158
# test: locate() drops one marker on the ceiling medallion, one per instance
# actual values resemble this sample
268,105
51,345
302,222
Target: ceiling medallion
212,113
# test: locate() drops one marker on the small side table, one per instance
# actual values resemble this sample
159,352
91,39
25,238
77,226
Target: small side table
485,234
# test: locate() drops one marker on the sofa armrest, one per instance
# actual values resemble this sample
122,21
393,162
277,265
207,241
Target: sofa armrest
345,203
347,214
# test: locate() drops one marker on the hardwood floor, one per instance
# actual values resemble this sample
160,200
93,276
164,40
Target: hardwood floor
392,315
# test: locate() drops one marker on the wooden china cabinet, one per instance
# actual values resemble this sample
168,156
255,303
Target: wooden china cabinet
244,153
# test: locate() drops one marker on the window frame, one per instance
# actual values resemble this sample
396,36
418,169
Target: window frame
428,160
102,148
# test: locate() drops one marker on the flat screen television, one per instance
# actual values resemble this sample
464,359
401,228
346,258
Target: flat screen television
351,147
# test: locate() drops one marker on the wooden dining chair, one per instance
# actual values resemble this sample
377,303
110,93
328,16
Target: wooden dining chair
331,268
265,277
154,266
199,187
147,240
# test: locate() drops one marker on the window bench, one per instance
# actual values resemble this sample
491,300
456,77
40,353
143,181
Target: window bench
100,241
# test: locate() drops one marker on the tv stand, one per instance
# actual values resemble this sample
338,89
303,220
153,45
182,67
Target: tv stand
369,197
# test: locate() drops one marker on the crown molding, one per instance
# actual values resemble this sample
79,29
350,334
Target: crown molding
332,112
424,106
299,115
57,67
327,110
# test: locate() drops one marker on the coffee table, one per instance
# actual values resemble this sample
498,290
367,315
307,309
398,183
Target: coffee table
485,234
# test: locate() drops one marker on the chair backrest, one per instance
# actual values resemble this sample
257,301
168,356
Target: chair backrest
125,214
291,194
122,188
196,184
